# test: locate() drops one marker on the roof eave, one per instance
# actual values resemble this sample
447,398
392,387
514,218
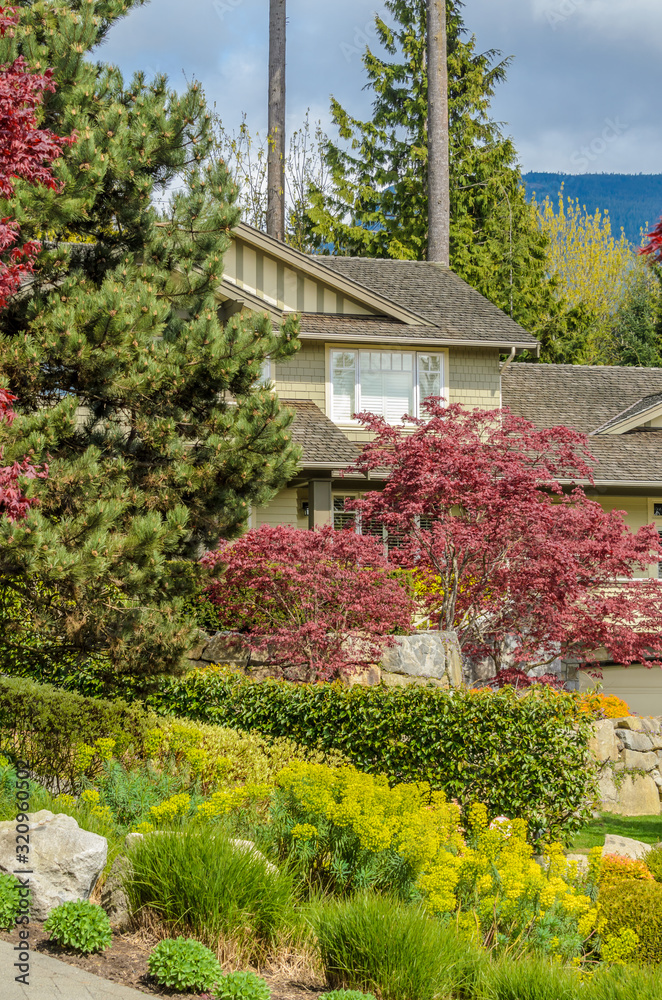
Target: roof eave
428,341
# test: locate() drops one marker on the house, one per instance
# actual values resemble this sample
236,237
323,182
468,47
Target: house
377,335
381,335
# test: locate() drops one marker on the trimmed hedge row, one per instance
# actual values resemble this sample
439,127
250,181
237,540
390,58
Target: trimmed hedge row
521,755
45,726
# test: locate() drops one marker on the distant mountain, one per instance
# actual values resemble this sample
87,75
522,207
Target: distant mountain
634,201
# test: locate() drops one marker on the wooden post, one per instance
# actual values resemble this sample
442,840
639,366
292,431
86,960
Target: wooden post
439,207
276,125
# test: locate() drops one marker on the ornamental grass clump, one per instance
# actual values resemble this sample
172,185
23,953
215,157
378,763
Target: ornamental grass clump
378,945
197,880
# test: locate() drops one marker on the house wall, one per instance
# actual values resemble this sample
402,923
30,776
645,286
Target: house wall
283,509
639,686
473,377
638,512
304,375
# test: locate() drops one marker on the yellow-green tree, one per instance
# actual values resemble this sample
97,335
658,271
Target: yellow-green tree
594,272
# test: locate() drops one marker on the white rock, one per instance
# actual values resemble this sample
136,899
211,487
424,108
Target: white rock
626,847
64,861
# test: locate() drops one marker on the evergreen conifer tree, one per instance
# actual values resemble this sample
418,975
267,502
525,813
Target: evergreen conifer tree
149,410
378,206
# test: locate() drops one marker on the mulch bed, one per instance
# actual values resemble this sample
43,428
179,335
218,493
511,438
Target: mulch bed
125,962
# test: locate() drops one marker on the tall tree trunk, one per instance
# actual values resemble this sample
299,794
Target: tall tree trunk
439,208
276,151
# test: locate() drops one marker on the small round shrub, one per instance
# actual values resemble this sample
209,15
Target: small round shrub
654,862
79,924
346,995
636,906
10,902
184,964
616,868
242,986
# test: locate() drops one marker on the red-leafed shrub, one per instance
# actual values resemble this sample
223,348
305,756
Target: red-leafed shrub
520,562
322,601
14,505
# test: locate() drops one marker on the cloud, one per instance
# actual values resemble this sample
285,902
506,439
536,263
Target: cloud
578,64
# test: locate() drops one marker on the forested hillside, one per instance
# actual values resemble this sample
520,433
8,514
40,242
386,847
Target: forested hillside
634,201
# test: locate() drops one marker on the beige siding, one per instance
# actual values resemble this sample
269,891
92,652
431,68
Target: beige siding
473,377
283,286
303,376
636,516
283,509
640,687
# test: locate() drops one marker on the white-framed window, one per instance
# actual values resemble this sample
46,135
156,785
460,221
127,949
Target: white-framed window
265,374
386,382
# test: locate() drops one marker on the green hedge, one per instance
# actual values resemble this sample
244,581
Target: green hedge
520,755
46,726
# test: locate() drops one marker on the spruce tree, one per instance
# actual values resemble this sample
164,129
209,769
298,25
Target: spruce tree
378,206
148,409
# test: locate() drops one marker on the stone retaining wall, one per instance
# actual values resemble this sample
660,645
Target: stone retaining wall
629,751
422,658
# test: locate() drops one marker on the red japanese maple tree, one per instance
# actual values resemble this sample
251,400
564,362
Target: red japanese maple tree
26,152
510,554
654,246
14,505
321,601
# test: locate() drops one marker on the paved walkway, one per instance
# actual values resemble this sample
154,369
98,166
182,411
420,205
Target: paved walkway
51,979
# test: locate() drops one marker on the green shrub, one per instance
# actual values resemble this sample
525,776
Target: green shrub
65,735
524,756
196,879
79,924
242,986
184,965
10,900
376,945
654,862
346,995
635,906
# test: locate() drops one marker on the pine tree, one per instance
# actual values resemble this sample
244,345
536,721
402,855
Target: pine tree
378,207
150,411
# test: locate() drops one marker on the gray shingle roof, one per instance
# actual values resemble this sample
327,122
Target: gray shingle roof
371,328
322,443
642,406
586,398
436,294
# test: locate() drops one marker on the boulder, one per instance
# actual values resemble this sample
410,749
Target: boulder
580,860
113,896
370,677
626,847
65,861
636,795
633,722
224,648
430,655
631,740
603,744
406,680
635,761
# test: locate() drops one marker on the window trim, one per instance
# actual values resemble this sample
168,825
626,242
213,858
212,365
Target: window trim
441,352
656,521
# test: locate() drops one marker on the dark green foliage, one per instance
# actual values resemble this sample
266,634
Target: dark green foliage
521,756
79,924
636,337
376,945
144,399
184,965
378,205
10,902
196,879
637,906
47,727
242,986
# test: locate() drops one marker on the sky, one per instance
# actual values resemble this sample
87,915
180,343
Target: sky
582,94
